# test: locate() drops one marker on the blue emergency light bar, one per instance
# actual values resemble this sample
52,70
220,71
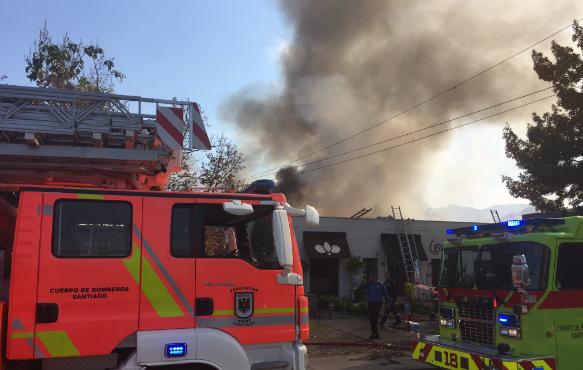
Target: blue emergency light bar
260,187
509,319
504,226
175,350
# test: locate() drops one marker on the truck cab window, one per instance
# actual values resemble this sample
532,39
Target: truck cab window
569,271
496,263
249,237
458,269
182,239
92,229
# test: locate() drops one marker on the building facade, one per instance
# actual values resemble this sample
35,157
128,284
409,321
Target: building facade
374,240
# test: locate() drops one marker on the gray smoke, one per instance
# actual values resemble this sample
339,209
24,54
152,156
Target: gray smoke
292,186
352,64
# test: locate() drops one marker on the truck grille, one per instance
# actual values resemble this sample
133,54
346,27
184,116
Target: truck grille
476,315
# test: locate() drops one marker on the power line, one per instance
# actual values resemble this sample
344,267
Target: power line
423,102
412,141
411,133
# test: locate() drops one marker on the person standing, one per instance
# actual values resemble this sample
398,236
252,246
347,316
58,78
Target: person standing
391,288
375,292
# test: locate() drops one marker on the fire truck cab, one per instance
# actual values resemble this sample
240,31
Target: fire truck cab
511,297
103,270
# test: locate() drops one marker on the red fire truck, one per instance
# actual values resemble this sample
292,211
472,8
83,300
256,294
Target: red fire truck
102,269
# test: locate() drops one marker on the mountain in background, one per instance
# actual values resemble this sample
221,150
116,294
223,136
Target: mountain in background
469,214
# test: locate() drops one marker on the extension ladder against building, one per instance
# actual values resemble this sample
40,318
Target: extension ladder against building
495,216
407,245
409,253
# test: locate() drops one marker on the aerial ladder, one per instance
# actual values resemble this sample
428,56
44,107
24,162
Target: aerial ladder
74,138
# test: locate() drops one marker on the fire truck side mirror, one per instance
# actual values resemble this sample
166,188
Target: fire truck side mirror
235,207
282,238
312,216
520,272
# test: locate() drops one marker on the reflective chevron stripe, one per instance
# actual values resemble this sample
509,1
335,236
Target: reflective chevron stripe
56,342
152,284
448,358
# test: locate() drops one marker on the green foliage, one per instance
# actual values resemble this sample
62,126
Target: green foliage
62,65
359,295
551,156
409,291
415,306
354,265
344,305
360,307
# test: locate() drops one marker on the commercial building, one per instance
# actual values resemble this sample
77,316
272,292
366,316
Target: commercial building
328,248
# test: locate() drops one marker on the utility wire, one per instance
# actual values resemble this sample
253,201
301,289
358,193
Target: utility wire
412,141
415,106
409,133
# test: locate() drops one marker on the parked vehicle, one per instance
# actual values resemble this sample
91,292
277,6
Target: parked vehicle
511,297
104,270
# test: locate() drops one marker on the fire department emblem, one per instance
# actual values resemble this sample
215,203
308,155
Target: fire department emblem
243,305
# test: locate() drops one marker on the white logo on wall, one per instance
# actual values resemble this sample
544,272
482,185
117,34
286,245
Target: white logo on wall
327,248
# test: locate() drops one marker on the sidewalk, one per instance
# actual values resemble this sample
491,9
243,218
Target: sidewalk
346,328
362,361
361,328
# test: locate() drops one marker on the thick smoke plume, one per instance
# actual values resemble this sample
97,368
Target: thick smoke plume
292,186
352,64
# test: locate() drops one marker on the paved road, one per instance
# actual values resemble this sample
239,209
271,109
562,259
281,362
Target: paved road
366,361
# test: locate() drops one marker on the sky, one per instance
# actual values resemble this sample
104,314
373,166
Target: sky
285,79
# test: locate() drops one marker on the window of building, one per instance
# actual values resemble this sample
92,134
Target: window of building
569,262
92,229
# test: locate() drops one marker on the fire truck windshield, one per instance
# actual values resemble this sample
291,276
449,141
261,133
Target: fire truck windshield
458,268
496,261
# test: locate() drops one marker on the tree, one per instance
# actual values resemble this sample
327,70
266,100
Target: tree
62,66
551,157
217,167
222,163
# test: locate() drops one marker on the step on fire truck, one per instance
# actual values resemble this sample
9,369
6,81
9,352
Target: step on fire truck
511,298
102,269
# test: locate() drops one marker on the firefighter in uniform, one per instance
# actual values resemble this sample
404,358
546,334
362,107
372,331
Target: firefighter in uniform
391,288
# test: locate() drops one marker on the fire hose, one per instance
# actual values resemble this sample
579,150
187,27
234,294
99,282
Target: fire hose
409,318
357,344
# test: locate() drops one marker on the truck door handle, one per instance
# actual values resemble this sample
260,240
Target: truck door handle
204,306
47,313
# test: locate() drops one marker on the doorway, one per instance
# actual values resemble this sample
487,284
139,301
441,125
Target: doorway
324,276
371,267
